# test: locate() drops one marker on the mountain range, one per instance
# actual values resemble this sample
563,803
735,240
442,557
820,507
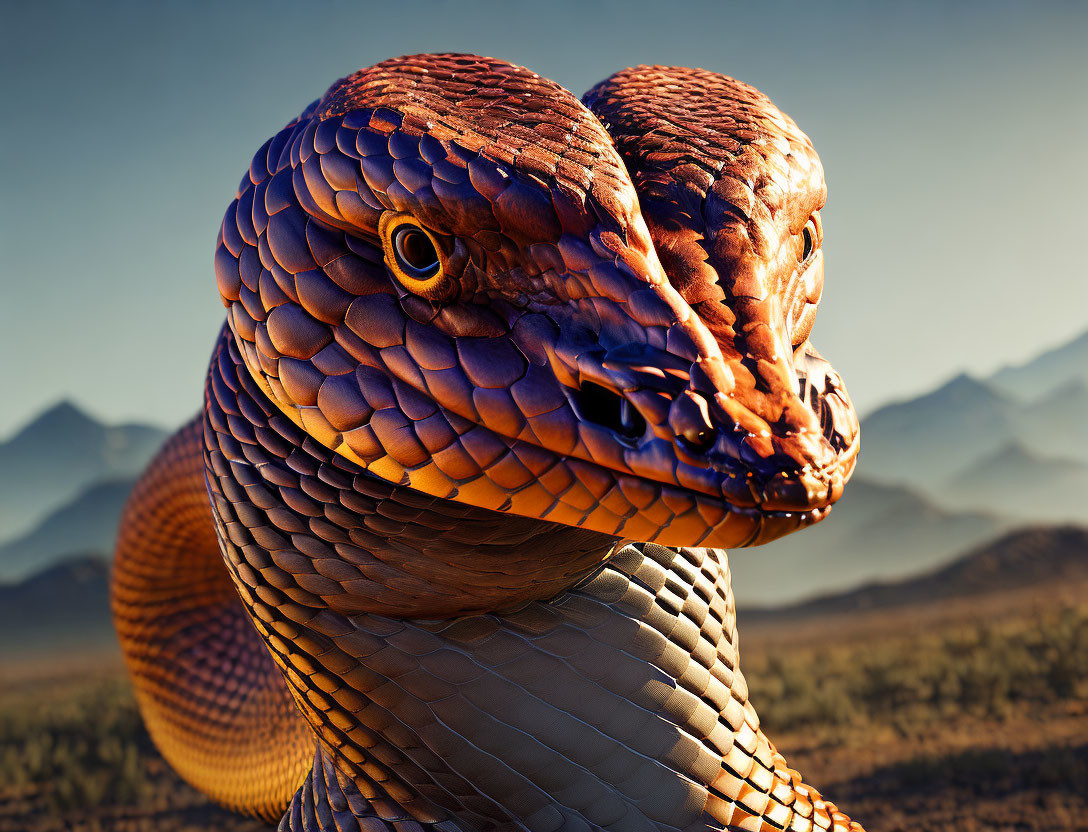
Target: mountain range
939,474
997,444
1023,559
875,532
926,440
61,453
64,607
86,523
1047,372
1017,481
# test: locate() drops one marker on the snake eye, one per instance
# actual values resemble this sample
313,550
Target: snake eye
413,256
809,236
415,252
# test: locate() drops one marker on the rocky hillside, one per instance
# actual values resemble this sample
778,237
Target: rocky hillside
1025,558
63,608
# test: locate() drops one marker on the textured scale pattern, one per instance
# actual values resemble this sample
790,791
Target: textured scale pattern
172,598
424,493
434,719
732,177
433,393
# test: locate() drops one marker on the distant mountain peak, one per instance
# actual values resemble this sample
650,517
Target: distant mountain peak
1016,449
1016,457
63,418
64,410
1074,389
1075,346
959,390
60,453
965,384
74,569
960,401
1046,373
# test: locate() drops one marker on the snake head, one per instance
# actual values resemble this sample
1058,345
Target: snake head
449,272
731,191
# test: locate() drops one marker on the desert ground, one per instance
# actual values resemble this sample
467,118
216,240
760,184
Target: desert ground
963,715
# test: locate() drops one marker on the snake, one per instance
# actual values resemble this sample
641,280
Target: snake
503,374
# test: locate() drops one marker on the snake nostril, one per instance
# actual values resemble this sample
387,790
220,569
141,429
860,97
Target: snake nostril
689,418
697,440
601,406
819,401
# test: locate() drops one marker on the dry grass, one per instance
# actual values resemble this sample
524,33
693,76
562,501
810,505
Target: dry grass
909,722
74,755
980,723
983,669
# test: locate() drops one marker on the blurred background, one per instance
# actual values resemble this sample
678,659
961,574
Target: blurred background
922,655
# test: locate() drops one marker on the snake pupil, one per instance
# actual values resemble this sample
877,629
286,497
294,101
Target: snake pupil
415,252
810,242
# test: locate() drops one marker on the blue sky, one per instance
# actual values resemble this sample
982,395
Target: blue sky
954,139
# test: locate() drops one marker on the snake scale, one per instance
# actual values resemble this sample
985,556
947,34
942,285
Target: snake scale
491,351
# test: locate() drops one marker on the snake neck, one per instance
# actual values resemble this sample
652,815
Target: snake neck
605,693
349,541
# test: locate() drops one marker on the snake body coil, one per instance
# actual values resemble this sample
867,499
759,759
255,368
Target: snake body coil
481,336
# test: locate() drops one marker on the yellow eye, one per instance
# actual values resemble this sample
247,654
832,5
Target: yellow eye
413,255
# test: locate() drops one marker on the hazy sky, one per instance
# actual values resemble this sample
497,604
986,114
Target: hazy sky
954,137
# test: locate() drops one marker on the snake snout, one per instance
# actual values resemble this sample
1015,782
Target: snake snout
823,457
